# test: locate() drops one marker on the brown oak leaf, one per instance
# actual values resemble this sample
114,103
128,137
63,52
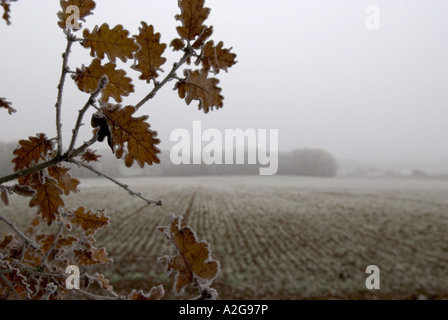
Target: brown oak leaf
217,58
177,44
88,78
149,58
192,16
193,261
131,137
115,43
104,283
197,86
85,8
6,11
91,255
47,197
89,220
90,156
203,37
31,151
7,105
156,293
64,179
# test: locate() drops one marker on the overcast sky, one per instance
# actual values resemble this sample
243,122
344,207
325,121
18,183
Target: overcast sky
310,69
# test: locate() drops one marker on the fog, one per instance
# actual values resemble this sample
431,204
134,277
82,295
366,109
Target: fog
311,69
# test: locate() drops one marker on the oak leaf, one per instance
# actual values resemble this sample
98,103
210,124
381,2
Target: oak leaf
91,255
87,79
47,198
149,58
177,44
47,241
89,220
101,128
31,151
156,293
85,8
217,58
90,156
197,86
131,137
64,179
6,11
203,37
15,278
193,261
104,283
115,43
4,195
193,14
7,105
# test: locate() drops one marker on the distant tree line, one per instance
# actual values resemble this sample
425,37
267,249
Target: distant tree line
303,162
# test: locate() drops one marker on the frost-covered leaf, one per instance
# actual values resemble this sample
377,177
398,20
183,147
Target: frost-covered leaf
31,151
197,86
4,195
104,283
89,220
216,57
91,256
192,16
64,179
149,58
193,261
18,281
47,197
203,37
90,156
131,137
7,105
88,78
156,293
115,43
85,8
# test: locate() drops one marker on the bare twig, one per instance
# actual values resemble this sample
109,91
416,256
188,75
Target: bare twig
53,245
65,55
171,75
101,85
30,242
125,187
97,297
10,286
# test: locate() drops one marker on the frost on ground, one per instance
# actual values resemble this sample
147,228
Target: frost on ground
283,237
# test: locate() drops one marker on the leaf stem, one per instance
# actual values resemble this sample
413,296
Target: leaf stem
101,85
172,74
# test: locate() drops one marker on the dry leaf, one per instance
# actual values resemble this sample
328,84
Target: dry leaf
88,78
101,128
47,198
85,9
104,283
156,293
131,137
31,151
115,43
90,156
7,105
197,86
64,179
4,196
193,260
193,14
89,220
6,11
177,44
149,58
216,57
91,255
203,37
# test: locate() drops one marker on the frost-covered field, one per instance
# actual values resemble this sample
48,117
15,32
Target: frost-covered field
282,237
